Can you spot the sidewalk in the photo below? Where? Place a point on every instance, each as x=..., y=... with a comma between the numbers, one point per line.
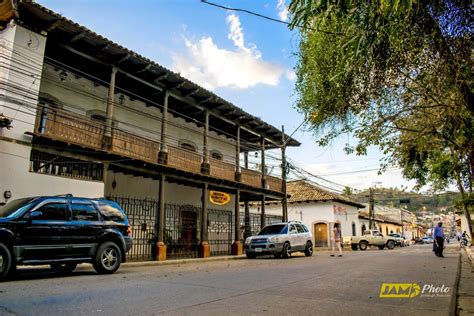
x=465, y=293
x=181, y=261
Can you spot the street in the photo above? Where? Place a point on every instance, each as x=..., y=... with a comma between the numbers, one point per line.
x=300, y=285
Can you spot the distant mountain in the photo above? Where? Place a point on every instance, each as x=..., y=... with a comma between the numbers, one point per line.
x=413, y=201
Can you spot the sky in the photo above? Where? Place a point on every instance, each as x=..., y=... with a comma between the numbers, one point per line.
x=244, y=59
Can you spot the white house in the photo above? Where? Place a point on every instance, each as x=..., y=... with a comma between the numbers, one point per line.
x=318, y=209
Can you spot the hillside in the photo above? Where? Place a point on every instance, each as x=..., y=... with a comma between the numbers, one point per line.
x=415, y=202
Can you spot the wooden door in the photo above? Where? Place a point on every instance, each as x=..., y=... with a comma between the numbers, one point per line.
x=321, y=235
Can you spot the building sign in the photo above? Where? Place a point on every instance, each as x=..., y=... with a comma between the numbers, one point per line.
x=219, y=198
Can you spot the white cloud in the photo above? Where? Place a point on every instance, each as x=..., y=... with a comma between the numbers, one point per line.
x=282, y=10
x=213, y=67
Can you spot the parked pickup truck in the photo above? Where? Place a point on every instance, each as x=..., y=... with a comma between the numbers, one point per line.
x=370, y=238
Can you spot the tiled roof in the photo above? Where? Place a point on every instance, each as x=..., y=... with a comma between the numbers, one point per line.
x=302, y=191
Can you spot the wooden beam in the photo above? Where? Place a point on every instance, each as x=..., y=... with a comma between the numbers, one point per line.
x=53, y=25
x=77, y=37
x=124, y=58
x=144, y=69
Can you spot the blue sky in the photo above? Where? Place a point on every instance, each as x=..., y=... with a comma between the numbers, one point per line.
x=245, y=59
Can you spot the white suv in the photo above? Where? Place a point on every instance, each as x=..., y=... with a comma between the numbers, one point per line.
x=280, y=240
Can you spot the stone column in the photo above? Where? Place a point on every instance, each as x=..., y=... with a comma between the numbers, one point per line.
x=110, y=111
x=163, y=154
x=264, y=180
x=238, y=174
x=247, y=231
x=160, y=222
x=237, y=245
x=205, y=166
x=204, y=246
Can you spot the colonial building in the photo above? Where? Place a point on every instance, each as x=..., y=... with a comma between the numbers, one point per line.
x=83, y=115
x=319, y=210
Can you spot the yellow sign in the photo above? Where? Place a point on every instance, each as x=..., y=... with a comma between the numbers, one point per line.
x=399, y=290
x=219, y=198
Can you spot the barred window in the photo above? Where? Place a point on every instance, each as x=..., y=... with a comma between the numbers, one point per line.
x=57, y=165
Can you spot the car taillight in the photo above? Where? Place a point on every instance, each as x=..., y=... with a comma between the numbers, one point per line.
x=129, y=230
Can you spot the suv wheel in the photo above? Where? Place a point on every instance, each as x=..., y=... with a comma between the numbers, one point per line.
x=363, y=245
x=5, y=261
x=308, y=252
x=63, y=268
x=390, y=244
x=108, y=258
x=285, y=251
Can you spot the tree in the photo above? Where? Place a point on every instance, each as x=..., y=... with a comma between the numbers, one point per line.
x=394, y=74
x=347, y=191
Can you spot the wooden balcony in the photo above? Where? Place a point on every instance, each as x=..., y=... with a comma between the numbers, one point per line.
x=70, y=128
x=126, y=144
x=222, y=169
x=184, y=160
x=79, y=130
x=274, y=184
x=252, y=177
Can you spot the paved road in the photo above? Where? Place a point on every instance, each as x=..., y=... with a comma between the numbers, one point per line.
x=317, y=285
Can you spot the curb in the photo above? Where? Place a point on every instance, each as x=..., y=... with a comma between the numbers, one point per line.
x=470, y=254
x=181, y=261
x=453, y=306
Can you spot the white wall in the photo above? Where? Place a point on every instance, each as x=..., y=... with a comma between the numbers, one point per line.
x=21, y=55
x=15, y=177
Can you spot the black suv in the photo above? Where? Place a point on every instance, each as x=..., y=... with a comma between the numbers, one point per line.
x=63, y=231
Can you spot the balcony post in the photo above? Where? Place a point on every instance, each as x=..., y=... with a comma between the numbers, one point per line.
x=247, y=231
x=160, y=221
x=205, y=166
x=163, y=154
x=283, y=176
x=110, y=111
x=238, y=174
x=262, y=214
x=204, y=246
x=264, y=180
x=237, y=249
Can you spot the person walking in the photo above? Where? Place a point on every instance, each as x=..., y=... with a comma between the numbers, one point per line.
x=438, y=240
x=336, y=239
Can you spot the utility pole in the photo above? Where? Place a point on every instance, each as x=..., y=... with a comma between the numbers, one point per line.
x=371, y=209
x=283, y=175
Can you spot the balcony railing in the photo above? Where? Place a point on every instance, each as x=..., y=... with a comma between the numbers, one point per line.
x=129, y=145
x=222, y=169
x=79, y=130
x=184, y=159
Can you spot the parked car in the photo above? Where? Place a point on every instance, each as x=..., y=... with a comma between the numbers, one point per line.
x=398, y=239
x=63, y=231
x=370, y=238
x=280, y=240
x=428, y=240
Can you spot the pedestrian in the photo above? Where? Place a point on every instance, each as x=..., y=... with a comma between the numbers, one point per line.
x=438, y=242
x=458, y=235
x=336, y=240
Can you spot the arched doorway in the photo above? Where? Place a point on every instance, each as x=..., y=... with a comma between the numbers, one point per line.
x=321, y=235
x=354, y=229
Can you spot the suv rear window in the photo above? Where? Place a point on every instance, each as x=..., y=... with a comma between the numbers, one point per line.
x=84, y=212
x=273, y=230
x=111, y=211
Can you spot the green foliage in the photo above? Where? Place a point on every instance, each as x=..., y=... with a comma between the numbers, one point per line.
x=396, y=75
